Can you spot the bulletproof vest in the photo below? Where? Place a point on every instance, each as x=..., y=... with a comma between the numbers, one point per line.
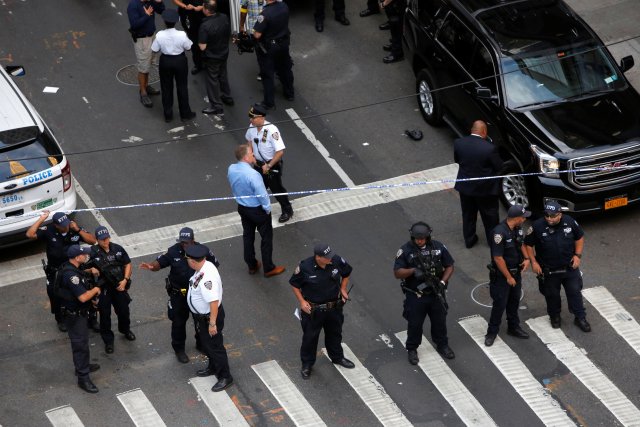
x=430, y=263
x=60, y=290
x=110, y=268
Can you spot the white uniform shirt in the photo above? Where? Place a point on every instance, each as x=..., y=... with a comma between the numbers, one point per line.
x=171, y=42
x=204, y=286
x=269, y=141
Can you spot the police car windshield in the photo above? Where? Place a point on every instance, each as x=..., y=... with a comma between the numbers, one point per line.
x=27, y=157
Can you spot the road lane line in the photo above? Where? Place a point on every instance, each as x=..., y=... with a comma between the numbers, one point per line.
x=228, y=225
x=580, y=365
x=371, y=391
x=620, y=319
x=64, y=416
x=140, y=409
x=449, y=385
x=96, y=214
x=289, y=397
x=323, y=151
x=220, y=404
x=510, y=365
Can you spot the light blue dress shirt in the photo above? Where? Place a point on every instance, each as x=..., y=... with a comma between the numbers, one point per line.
x=246, y=181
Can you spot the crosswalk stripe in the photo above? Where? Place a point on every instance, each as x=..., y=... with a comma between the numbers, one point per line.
x=140, y=409
x=371, y=392
x=220, y=404
x=283, y=389
x=510, y=365
x=620, y=319
x=567, y=352
x=64, y=416
x=450, y=387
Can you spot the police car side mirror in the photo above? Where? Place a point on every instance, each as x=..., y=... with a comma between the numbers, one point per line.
x=626, y=63
x=15, y=70
x=485, y=93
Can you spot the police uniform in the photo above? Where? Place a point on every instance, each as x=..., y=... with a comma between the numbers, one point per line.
x=420, y=301
x=177, y=286
x=321, y=288
x=273, y=50
x=205, y=287
x=266, y=141
x=111, y=266
x=395, y=14
x=191, y=20
x=555, y=246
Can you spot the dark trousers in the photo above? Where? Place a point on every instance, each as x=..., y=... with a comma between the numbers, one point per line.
x=214, y=346
x=273, y=181
x=395, y=13
x=79, y=336
x=331, y=321
x=252, y=219
x=217, y=81
x=572, y=282
x=415, y=311
x=507, y=298
x=179, y=314
x=488, y=208
x=174, y=68
x=275, y=60
x=373, y=5
x=120, y=302
x=54, y=301
x=192, y=27
x=338, y=9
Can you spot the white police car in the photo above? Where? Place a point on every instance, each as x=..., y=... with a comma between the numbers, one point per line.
x=34, y=172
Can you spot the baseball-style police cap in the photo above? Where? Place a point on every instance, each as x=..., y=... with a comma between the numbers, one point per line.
x=323, y=250
x=61, y=219
x=517, y=211
x=75, y=250
x=257, y=111
x=102, y=233
x=197, y=251
x=170, y=16
x=186, y=235
x=552, y=207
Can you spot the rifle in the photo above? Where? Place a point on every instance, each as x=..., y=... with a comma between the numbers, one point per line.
x=432, y=280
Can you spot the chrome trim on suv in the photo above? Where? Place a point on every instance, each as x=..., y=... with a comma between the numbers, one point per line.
x=611, y=173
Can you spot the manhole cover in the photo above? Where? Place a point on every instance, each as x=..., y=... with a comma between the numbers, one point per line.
x=129, y=75
x=481, y=296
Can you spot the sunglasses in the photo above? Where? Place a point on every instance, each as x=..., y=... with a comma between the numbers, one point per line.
x=548, y=215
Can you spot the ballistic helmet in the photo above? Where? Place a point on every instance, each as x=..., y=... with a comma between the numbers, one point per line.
x=420, y=230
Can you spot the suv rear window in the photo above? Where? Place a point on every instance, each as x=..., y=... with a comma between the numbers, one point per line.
x=26, y=151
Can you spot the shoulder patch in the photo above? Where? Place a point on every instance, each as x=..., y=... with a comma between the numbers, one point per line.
x=297, y=270
x=208, y=284
x=276, y=136
x=529, y=230
x=497, y=238
x=260, y=18
x=399, y=253
x=75, y=280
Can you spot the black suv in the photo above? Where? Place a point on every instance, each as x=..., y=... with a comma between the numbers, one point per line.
x=549, y=90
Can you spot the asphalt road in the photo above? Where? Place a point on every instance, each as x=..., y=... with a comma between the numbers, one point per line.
x=358, y=109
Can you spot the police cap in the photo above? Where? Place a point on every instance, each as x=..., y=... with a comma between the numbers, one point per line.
x=102, y=233
x=61, y=219
x=186, y=235
x=552, y=207
x=322, y=250
x=170, y=16
x=257, y=111
x=517, y=211
x=75, y=250
x=197, y=251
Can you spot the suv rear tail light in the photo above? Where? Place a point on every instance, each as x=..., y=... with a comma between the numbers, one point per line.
x=66, y=177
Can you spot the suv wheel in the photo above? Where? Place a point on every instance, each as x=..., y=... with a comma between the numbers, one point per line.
x=514, y=191
x=429, y=102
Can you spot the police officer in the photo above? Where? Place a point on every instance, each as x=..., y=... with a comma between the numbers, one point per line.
x=191, y=16
x=114, y=265
x=425, y=267
x=75, y=298
x=509, y=260
x=555, y=244
x=395, y=13
x=205, y=303
x=320, y=285
x=58, y=236
x=177, y=284
x=268, y=148
x=273, y=38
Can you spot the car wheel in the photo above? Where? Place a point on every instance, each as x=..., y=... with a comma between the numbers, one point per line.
x=428, y=101
x=514, y=190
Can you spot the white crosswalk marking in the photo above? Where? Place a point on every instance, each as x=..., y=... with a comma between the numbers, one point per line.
x=586, y=371
x=613, y=312
x=459, y=397
x=293, y=402
x=140, y=409
x=510, y=365
x=371, y=392
x=219, y=404
x=64, y=416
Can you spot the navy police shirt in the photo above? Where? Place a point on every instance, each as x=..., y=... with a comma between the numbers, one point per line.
x=407, y=257
x=506, y=243
x=180, y=272
x=57, y=243
x=273, y=22
x=555, y=245
x=320, y=285
x=74, y=280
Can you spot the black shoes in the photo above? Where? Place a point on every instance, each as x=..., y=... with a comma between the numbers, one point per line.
x=188, y=117
x=555, y=321
x=62, y=327
x=518, y=333
x=129, y=336
x=152, y=91
x=168, y=119
x=489, y=339
x=305, y=372
x=227, y=100
x=319, y=26
x=385, y=26
x=195, y=70
x=286, y=216
x=472, y=242
x=108, y=348
x=390, y=59
x=343, y=20
x=87, y=385
x=216, y=111
x=222, y=384
x=413, y=357
x=582, y=324
x=368, y=12
x=446, y=352
x=146, y=101
x=345, y=363
x=206, y=372
x=182, y=356
x=93, y=367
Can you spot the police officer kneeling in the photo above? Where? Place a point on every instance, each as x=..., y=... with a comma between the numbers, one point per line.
x=558, y=241
x=76, y=292
x=425, y=267
x=205, y=301
x=320, y=285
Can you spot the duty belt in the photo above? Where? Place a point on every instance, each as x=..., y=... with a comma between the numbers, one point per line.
x=549, y=271
x=199, y=317
x=331, y=305
x=81, y=312
x=178, y=292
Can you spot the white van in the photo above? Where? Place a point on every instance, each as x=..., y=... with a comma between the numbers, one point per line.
x=34, y=172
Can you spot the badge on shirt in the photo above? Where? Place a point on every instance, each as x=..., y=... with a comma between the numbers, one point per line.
x=399, y=253
x=497, y=238
x=567, y=230
x=275, y=136
x=529, y=230
x=75, y=280
x=208, y=284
